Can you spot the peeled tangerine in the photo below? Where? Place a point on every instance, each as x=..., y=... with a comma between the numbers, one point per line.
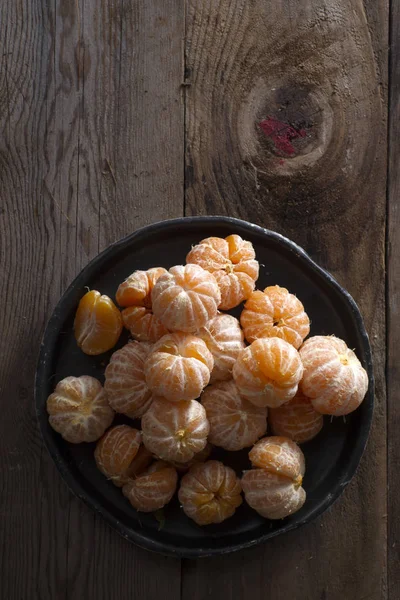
x=232, y=262
x=125, y=381
x=297, y=419
x=235, y=423
x=334, y=378
x=175, y=431
x=119, y=454
x=210, y=493
x=153, y=489
x=79, y=409
x=186, y=298
x=179, y=367
x=199, y=457
x=135, y=294
x=98, y=323
x=275, y=313
x=136, y=289
x=142, y=324
x=224, y=338
x=273, y=486
x=267, y=372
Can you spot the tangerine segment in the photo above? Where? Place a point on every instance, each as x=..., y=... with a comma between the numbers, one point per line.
x=153, y=489
x=79, y=409
x=199, y=457
x=232, y=261
x=210, y=493
x=235, y=423
x=224, y=338
x=334, y=378
x=98, y=323
x=275, y=313
x=179, y=367
x=175, y=431
x=267, y=372
x=271, y=495
x=125, y=381
x=115, y=452
x=279, y=455
x=297, y=419
x=142, y=324
x=136, y=289
x=186, y=298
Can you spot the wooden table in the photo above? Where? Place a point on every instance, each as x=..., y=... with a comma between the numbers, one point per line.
x=118, y=113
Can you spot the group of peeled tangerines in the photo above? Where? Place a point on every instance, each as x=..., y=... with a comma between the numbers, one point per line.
x=194, y=383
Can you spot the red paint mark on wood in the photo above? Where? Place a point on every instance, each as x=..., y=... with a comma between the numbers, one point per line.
x=281, y=134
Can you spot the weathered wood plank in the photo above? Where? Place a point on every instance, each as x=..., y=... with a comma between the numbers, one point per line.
x=91, y=117
x=393, y=308
x=286, y=127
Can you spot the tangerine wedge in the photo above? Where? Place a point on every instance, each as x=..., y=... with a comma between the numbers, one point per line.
x=210, y=492
x=98, y=323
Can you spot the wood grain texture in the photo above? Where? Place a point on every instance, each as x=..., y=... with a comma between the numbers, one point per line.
x=85, y=158
x=393, y=308
x=284, y=102
x=93, y=125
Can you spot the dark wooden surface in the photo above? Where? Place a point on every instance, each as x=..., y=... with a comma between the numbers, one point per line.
x=117, y=113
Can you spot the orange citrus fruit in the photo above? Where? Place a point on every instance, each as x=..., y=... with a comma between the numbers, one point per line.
x=267, y=372
x=125, y=381
x=175, y=431
x=136, y=289
x=224, y=338
x=116, y=451
x=98, y=323
x=210, y=492
x=232, y=262
x=199, y=457
x=273, y=486
x=186, y=298
x=153, y=489
x=179, y=367
x=297, y=419
x=79, y=409
x=142, y=324
x=142, y=460
x=278, y=454
x=333, y=378
x=235, y=423
x=275, y=313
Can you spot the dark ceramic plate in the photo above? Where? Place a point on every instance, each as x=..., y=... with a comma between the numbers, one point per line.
x=331, y=458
